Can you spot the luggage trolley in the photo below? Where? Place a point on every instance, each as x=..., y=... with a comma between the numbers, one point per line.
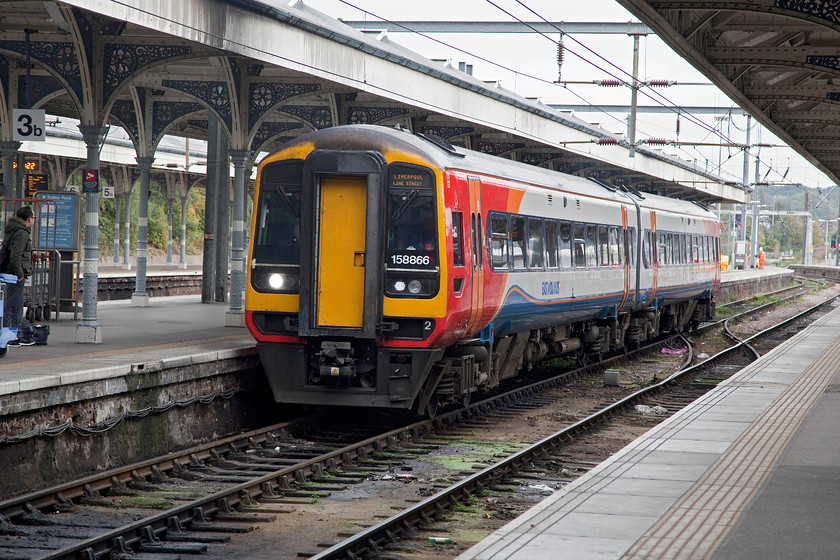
x=43, y=291
x=42, y=287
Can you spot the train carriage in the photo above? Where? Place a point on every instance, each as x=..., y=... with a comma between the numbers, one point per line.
x=393, y=270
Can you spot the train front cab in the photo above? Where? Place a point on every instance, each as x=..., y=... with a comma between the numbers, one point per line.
x=331, y=327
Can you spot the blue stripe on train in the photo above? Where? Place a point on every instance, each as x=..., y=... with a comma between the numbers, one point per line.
x=521, y=311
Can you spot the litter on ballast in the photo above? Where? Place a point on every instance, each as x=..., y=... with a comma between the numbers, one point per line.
x=645, y=409
x=542, y=488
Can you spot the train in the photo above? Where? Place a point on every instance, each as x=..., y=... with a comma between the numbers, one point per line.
x=390, y=269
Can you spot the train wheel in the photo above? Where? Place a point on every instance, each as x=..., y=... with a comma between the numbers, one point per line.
x=432, y=408
x=465, y=400
x=3, y=351
x=47, y=313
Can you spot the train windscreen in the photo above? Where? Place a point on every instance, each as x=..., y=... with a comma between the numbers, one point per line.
x=277, y=234
x=412, y=235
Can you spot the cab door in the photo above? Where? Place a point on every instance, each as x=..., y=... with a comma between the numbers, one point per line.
x=477, y=254
x=340, y=253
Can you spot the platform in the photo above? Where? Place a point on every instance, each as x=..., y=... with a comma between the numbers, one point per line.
x=750, y=470
x=134, y=338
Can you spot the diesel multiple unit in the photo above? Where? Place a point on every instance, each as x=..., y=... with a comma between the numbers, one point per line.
x=390, y=269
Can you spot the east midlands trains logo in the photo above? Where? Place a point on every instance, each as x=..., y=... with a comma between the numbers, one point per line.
x=551, y=288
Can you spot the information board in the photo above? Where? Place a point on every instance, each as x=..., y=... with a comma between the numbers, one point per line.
x=36, y=182
x=58, y=221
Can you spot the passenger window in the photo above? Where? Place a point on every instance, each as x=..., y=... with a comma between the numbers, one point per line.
x=663, y=248
x=565, y=245
x=517, y=238
x=499, y=242
x=603, y=246
x=616, y=248
x=457, y=239
x=591, y=246
x=680, y=239
x=536, y=257
x=551, y=243
x=580, y=247
x=673, y=248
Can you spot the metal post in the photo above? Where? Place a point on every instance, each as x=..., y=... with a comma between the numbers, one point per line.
x=9, y=150
x=208, y=265
x=140, y=298
x=223, y=225
x=27, y=50
x=754, y=232
x=732, y=234
x=21, y=164
x=809, y=240
x=825, y=259
x=837, y=241
x=169, y=232
x=182, y=263
x=745, y=178
x=117, y=229
x=631, y=126
x=806, y=249
x=235, y=317
x=89, y=330
x=127, y=237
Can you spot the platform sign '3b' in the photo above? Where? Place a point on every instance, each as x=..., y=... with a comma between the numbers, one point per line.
x=28, y=125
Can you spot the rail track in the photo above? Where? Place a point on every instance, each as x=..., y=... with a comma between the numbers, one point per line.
x=231, y=485
x=690, y=381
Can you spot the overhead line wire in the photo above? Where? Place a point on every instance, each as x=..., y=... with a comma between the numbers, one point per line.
x=669, y=105
x=499, y=65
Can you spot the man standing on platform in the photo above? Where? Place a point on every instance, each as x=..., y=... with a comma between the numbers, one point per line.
x=17, y=235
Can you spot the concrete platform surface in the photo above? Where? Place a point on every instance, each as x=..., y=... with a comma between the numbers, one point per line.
x=133, y=338
x=750, y=470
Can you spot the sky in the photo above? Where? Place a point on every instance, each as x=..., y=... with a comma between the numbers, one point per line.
x=527, y=65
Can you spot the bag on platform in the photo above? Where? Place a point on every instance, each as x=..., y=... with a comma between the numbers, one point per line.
x=25, y=331
x=40, y=333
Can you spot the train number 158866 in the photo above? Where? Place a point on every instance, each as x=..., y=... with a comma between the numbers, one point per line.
x=412, y=259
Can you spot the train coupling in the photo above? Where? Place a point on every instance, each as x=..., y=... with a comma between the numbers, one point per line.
x=336, y=359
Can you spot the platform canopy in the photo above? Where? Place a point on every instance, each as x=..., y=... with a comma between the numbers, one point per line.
x=269, y=72
x=778, y=59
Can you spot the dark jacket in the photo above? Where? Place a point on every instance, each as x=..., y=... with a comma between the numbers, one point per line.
x=20, y=248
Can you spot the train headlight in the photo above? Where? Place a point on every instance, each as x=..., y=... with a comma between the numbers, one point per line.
x=275, y=281
x=397, y=285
